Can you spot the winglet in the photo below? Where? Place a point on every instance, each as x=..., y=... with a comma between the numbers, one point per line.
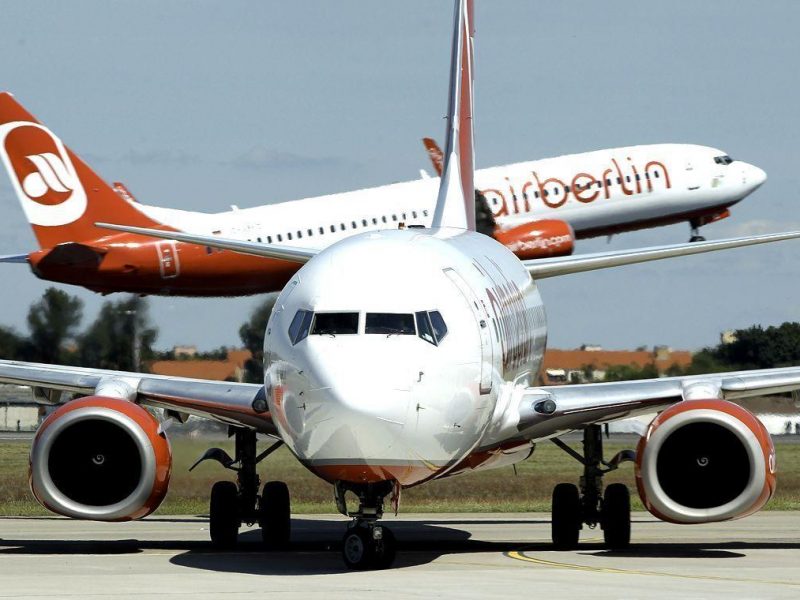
x=434, y=153
x=455, y=206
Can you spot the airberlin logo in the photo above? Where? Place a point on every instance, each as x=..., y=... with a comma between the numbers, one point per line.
x=42, y=174
x=51, y=175
x=618, y=178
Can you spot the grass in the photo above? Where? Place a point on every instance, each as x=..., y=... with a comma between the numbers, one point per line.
x=499, y=490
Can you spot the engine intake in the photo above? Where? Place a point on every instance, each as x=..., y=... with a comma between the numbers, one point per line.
x=100, y=458
x=704, y=461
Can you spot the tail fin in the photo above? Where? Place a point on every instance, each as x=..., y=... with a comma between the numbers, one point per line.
x=455, y=206
x=61, y=196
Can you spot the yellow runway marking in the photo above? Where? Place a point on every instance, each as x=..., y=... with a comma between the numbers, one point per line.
x=517, y=555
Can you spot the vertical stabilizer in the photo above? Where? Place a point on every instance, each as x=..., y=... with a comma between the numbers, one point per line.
x=61, y=195
x=455, y=206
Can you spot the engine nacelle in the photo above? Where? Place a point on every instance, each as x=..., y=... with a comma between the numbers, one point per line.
x=703, y=461
x=538, y=239
x=100, y=458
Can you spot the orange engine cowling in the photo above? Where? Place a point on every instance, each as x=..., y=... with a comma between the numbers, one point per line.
x=100, y=458
x=703, y=461
x=538, y=239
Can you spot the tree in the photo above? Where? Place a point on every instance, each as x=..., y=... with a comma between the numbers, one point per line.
x=52, y=321
x=252, y=335
x=10, y=344
x=759, y=348
x=120, y=338
x=628, y=372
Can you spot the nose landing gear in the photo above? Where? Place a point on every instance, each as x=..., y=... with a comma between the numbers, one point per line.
x=366, y=545
x=695, y=232
x=235, y=503
x=573, y=508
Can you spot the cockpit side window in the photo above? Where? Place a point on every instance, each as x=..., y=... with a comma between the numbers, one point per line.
x=723, y=160
x=424, y=329
x=335, y=323
x=439, y=327
x=390, y=323
x=301, y=323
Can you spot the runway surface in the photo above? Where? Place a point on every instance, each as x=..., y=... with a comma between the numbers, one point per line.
x=458, y=556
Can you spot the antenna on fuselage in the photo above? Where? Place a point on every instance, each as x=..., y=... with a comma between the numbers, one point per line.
x=455, y=205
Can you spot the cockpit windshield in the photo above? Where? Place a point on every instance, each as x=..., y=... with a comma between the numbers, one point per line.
x=390, y=323
x=430, y=326
x=335, y=323
x=723, y=160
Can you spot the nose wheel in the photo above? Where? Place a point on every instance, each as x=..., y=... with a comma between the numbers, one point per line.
x=574, y=506
x=367, y=546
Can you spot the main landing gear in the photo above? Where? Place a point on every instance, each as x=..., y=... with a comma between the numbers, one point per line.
x=235, y=503
x=695, y=232
x=366, y=545
x=574, y=507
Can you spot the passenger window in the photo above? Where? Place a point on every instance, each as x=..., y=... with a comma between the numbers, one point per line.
x=656, y=174
x=414, y=213
x=259, y=239
x=342, y=227
x=280, y=238
x=299, y=235
x=322, y=231
x=383, y=218
x=269, y=239
x=333, y=228
x=310, y=232
x=390, y=323
x=374, y=221
x=364, y=222
x=353, y=223
x=394, y=217
x=439, y=327
x=289, y=235
x=425, y=212
x=335, y=323
x=424, y=329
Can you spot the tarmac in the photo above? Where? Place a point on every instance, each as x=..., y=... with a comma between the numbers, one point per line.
x=458, y=556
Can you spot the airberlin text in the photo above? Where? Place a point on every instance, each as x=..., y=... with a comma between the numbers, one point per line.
x=584, y=187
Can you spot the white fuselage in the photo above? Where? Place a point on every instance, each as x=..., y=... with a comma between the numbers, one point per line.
x=368, y=405
x=595, y=192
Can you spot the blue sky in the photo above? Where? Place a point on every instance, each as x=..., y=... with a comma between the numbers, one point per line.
x=198, y=105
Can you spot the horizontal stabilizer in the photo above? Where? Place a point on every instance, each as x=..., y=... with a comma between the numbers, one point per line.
x=298, y=255
x=14, y=258
x=553, y=267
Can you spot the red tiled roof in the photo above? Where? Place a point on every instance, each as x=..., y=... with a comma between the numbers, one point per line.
x=602, y=359
x=218, y=370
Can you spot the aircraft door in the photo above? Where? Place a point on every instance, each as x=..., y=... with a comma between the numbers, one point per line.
x=168, y=260
x=483, y=323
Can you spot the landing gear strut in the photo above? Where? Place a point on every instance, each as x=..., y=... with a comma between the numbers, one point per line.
x=235, y=503
x=695, y=235
x=574, y=507
x=366, y=545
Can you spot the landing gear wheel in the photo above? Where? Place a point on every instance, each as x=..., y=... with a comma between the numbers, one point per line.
x=616, y=516
x=224, y=515
x=366, y=548
x=566, y=516
x=696, y=238
x=274, y=514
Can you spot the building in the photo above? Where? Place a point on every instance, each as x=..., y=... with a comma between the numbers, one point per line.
x=18, y=411
x=228, y=369
x=590, y=364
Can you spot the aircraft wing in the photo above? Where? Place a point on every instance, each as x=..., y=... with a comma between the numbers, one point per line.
x=576, y=406
x=290, y=253
x=233, y=403
x=542, y=268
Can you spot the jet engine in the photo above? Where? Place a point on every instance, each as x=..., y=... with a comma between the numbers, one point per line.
x=100, y=458
x=703, y=461
x=538, y=239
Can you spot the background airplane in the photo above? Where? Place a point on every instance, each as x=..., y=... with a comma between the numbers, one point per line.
x=401, y=356
x=539, y=208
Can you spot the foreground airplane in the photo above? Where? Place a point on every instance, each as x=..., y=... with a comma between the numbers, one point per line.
x=539, y=209
x=397, y=357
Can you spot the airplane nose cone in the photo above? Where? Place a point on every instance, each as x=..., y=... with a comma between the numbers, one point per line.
x=754, y=176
